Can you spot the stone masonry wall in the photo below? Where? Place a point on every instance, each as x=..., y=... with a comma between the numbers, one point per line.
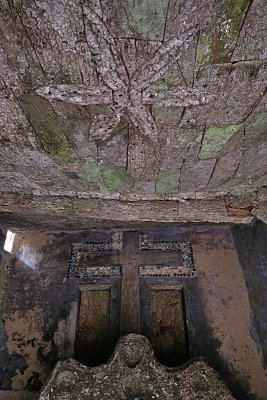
x=39, y=317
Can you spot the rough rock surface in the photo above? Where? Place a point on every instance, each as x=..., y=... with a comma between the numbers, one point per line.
x=137, y=102
x=134, y=373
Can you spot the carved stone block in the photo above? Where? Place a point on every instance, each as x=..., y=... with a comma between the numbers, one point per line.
x=134, y=373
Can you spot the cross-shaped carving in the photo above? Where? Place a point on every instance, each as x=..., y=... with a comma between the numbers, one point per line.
x=130, y=258
x=124, y=91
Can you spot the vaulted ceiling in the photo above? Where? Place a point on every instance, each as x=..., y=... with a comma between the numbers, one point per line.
x=128, y=111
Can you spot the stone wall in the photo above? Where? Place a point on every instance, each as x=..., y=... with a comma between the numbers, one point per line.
x=251, y=244
x=39, y=314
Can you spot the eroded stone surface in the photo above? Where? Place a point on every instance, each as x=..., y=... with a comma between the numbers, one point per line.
x=39, y=310
x=134, y=373
x=127, y=99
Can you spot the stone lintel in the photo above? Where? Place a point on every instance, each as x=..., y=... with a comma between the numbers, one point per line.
x=78, y=212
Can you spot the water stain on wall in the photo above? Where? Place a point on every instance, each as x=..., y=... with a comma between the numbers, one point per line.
x=41, y=305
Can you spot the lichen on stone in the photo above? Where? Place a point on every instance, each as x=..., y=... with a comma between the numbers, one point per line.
x=258, y=125
x=216, y=139
x=147, y=18
x=107, y=177
x=116, y=178
x=170, y=81
x=216, y=43
x=47, y=126
x=168, y=181
x=93, y=173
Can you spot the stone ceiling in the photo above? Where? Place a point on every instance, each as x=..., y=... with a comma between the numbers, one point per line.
x=128, y=111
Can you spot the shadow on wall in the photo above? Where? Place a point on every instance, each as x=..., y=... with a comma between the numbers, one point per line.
x=204, y=343
x=251, y=245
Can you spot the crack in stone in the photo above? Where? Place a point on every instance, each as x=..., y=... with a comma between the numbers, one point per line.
x=244, y=148
x=166, y=20
x=242, y=24
x=30, y=41
x=83, y=20
x=181, y=169
x=212, y=172
x=255, y=105
x=195, y=61
x=201, y=142
x=127, y=148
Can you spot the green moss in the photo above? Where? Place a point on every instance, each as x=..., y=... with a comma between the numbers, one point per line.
x=234, y=12
x=256, y=129
x=236, y=8
x=18, y=5
x=47, y=126
x=216, y=44
x=187, y=137
x=92, y=170
x=93, y=173
x=168, y=181
x=108, y=178
x=166, y=116
x=259, y=125
x=116, y=178
x=216, y=139
x=171, y=81
x=148, y=17
x=99, y=109
x=204, y=53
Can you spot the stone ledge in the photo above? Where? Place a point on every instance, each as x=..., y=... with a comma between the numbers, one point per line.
x=170, y=211
x=16, y=395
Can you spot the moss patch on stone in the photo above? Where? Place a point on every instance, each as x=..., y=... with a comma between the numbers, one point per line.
x=93, y=173
x=234, y=13
x=108, y=178
x=203, y=53
x=47, y=127
x=92, y=170
x=216, y=139
x=216, y=44
x=168, y=181
x=256, y=129
x=116, y=178
x=258, y=126
x=170, y=81
x=147, y=18
x=18, y=4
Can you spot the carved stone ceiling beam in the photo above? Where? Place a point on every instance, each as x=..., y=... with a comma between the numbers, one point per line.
x=84, y=211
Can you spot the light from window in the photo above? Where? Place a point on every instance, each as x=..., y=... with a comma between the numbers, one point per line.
x=10, y=236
